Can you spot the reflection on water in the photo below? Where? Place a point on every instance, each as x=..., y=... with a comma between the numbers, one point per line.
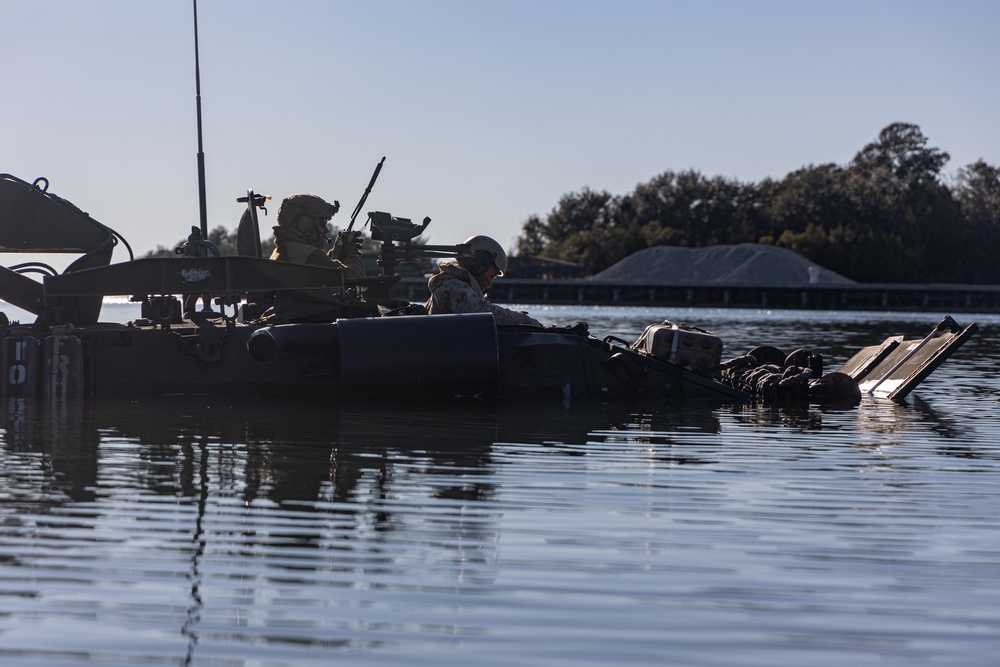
x=206, y=532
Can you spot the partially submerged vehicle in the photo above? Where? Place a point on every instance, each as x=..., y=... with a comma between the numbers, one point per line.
x=233, y=344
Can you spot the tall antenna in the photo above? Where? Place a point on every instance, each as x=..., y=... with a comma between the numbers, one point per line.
x=201, y=152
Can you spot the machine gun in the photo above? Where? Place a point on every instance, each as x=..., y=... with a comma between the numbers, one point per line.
x=344, y=236
x=392, y=231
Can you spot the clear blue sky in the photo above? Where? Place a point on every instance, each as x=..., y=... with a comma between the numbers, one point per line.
x=488, y=112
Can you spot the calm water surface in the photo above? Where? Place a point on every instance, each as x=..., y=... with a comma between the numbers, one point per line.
x=193, y=532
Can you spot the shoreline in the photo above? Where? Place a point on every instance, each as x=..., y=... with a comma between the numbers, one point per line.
x=853, y=296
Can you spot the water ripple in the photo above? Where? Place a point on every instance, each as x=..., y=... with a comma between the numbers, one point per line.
x=205, y=534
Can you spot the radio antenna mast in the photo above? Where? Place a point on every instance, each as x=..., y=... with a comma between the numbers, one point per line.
x=203, y=207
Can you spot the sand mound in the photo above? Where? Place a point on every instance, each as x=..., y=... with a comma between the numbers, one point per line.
x=744, y=264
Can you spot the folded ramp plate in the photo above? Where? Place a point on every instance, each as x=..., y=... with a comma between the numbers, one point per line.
x=894, y=368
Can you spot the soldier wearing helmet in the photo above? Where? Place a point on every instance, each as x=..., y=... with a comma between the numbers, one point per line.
x=302, y=232
x=299, y=238
x=461, y=284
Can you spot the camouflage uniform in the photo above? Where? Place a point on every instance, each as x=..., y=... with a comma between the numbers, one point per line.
x=299, y=239
x=455, y=290
x=292, y=246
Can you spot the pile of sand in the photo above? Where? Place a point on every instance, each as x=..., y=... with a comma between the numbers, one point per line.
x=748, y=264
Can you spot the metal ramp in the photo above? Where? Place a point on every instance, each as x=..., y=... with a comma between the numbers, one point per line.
x=896, y=366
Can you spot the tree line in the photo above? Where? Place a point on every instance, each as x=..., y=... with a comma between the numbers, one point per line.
x=888, y=216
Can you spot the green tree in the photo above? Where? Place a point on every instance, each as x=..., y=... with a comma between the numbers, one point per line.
x=533, y=237
x=577, y=213
x=901, y=149
x=814, y=196
x=978, y=192
x=884, y=217
x=896, y=192
x=224, y=240
x=684, y=207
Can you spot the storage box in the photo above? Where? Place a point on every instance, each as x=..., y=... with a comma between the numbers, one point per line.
x=681, y=345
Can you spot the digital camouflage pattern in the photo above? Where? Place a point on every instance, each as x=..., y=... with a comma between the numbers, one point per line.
x=295, y=306
x=292, y=246
x=305, y=204
x=302, y=232
x=454, y=290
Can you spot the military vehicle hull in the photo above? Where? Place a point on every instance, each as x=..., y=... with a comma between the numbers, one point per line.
x=420, y=356
x=235, y=344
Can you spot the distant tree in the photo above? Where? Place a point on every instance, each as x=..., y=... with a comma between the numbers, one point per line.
x=900, y=206
x=577, y=221
x=683, y=208
x=653, y=233
x=713, y=214
x=578, y=213
x=223, y=239
x=533, y=237
x=901, y=150
x=814, y=196
x=600, y=247
x=160, y=251
x=978, y=192
x=884, y=217
x=664, y=202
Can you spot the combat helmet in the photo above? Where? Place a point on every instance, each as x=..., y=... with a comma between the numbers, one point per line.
x=307, y=215
x=483, y=253
x=304, y=204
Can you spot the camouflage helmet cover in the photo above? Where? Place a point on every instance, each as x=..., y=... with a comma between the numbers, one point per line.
x=304, y=204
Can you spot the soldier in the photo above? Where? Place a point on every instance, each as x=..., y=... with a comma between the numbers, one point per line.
x=299, y=238
x=302, y=232
x=460, y=286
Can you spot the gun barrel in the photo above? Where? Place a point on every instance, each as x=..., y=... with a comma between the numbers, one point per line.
x=364, y=197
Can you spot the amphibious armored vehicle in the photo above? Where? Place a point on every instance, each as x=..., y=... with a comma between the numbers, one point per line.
x=207, y=326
